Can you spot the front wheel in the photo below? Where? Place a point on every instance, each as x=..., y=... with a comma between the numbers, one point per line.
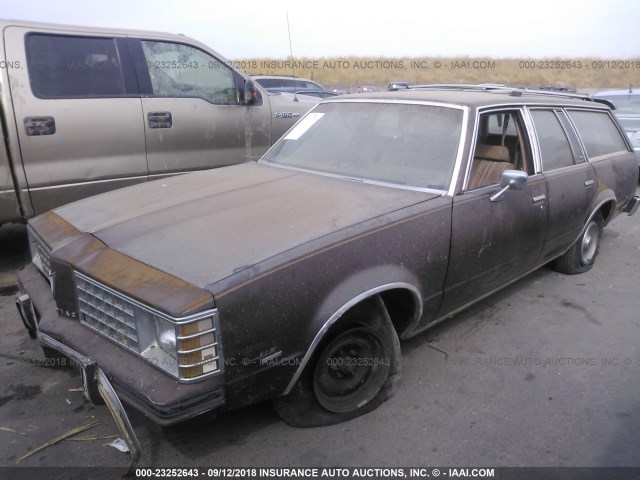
x=582, y=254
x=353, y=371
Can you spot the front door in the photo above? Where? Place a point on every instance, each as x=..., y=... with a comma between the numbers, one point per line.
x=194, y=113
x=494, y=242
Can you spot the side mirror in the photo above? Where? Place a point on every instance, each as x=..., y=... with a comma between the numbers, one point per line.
x=510, y=179
x=250, y=93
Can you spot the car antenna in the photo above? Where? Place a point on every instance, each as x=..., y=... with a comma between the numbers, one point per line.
x=293, y=69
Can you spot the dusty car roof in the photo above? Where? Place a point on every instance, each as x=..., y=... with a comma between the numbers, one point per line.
x=474, y=98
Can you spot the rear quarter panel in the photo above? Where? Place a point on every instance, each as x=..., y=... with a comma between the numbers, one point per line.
x=617, y=176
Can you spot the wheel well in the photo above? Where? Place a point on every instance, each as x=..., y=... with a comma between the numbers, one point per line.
x=607, y=210
x=402, y=306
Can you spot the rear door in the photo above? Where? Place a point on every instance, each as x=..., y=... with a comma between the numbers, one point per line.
x=77, y=112
x=571, y=180
x=193, y=108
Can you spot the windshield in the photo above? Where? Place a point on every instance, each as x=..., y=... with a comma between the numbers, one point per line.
x=405, y=144
x=624, y=103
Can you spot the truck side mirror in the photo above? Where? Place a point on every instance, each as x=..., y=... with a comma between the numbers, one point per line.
x=250, y=93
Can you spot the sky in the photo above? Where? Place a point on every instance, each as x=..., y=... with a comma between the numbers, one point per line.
x=329, y=28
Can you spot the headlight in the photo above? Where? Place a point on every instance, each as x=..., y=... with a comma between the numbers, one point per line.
x=40, y=254
x=166, y=336
x=186, y=348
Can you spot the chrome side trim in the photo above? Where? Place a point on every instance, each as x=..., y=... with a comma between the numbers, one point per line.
x=446, y=316
x=460, y=157
x=364, y=181
x=341, y=311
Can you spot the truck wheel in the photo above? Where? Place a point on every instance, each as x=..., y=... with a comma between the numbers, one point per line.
x=355, y=370
x=582, y=254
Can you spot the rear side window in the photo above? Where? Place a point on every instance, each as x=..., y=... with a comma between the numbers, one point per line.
x=71, y=67
x=555, y=149
x=599, y=134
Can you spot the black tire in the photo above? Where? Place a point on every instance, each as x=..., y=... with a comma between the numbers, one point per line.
x=352, y=372
x=582, y=254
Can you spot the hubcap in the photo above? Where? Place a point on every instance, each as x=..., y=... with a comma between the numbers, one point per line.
x=589, y=244
x=350, y=371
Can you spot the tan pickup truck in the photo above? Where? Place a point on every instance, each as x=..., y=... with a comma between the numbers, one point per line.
x=88, y=110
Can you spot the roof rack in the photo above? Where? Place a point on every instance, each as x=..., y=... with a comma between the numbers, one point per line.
x=513, y=91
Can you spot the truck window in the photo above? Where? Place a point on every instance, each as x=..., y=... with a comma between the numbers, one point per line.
x=555, y=149
x=598, y=132
x=179, y=70
x=63, y=66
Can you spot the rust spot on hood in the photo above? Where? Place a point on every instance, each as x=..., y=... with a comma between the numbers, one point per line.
x=88, y=255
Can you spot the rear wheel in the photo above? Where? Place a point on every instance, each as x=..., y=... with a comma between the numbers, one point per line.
x=354, y=370
x=582, y=254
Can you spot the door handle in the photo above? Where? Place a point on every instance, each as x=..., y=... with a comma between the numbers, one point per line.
x=35, y=126
x=588, y=183
x=539, y=198
x=159, y=120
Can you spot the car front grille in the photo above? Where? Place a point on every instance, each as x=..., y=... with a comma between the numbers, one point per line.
x=106, y=312
x=188, y=348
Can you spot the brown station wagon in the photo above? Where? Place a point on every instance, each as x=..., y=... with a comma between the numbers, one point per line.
x=293, y=278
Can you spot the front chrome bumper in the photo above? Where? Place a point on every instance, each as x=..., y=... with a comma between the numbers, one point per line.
x=96, y=385
x=96, y=388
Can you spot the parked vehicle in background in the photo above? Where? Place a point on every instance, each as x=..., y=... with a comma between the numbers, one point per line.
x=87, y=110
x=627, y=110
x=556, y=88
x=367, y=89
x=293, y=279
x=393, y=86
x=282, y=83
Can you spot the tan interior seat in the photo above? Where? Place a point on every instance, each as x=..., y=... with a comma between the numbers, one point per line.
x=489, y=162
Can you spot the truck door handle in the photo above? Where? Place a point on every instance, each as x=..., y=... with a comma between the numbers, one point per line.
x=588, y=183
x=35, y=126
x=159, y=119
x=538, y=198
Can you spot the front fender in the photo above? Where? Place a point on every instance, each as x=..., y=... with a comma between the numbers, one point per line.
x=354, y=290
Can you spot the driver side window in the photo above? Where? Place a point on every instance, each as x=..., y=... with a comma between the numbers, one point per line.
x=178, y=70
x=500, y=146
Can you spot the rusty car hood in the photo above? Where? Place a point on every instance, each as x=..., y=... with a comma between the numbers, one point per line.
x=206, y=226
